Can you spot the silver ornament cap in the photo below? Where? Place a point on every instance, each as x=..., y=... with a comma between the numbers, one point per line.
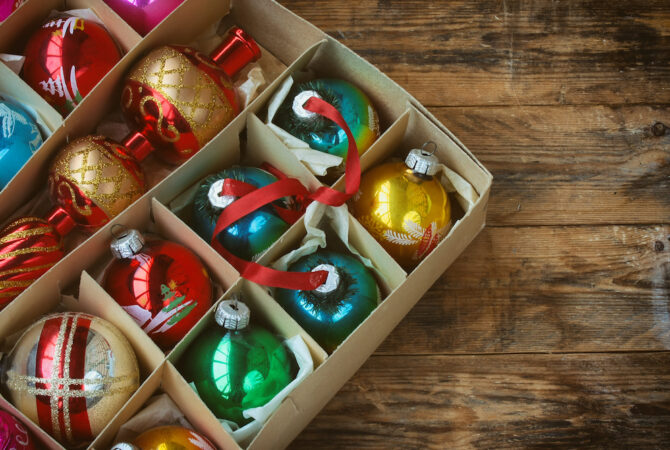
x=422, y=161
x=300, y=100
x=125, y=446
x=232, y=315
x=127, y=244
x=331, y=282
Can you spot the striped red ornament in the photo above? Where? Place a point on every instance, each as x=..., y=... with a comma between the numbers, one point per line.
x=28, y=248
x=71, y=373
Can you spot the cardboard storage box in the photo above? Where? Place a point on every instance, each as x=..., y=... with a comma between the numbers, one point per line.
x=289, y=44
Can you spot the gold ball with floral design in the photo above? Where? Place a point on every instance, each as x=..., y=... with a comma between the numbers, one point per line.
x=404, y=207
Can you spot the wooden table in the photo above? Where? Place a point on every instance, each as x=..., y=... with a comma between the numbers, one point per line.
x=553, y=327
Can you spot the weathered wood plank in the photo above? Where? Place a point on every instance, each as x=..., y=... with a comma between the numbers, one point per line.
x=509, y=52
x=570, y=164
x=547, y=289
x=500, y=401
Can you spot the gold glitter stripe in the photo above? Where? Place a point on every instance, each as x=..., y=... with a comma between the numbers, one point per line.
x=8, y=294
x=14, y=382
x=23, y=220
x=66, y=403
x=69, y=381
x=25, y=251
x=15, y=283
x=24, y=269
x=26, y=233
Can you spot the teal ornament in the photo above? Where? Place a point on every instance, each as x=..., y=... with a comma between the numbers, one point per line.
x=331, y=312
x=19, y=139
x=320, y=133
x=251, y=235
x=236, y=366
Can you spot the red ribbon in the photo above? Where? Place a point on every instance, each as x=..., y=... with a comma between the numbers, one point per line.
x=252, y=198
x=352, y=173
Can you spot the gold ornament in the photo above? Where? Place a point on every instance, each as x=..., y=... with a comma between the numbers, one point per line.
x=404, y=207
x=71, y=373
x=189, y=90
x=94, y=172
x=170, y=437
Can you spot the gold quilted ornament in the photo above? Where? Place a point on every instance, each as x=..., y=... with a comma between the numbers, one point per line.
x=94, y=179
x=404, y=207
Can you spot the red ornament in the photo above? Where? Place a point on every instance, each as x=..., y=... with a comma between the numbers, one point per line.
x=66, y=58
x=13, y=434
x=162, y=285
x=179, y=99
x=28, y=248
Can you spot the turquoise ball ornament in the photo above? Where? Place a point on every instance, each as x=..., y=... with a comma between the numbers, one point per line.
x=251, y=235
x=19, y=139
x=334, y=310
x=320, y=133
x=236, y=366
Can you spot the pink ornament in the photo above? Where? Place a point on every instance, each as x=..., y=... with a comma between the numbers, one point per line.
x=9, y=6
x=13, y=434
x=143, y=15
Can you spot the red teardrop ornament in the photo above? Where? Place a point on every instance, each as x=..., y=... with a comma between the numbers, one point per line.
x=177, y=99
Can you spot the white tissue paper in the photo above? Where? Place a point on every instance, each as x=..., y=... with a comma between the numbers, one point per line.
x=262, y=414
x=160, y=411
x=317, y=162
x=315, y=238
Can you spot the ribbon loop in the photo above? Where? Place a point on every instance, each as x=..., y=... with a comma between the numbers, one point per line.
x=251, y=198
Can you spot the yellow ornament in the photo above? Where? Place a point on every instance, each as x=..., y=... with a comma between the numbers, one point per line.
x=404, y=207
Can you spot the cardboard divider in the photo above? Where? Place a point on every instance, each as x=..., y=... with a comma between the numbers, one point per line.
x=14, y=86
x=172, y=228
x=146, y=390
x=173, y=385
x=31, y=15
x=197, y=413
x=265, y=146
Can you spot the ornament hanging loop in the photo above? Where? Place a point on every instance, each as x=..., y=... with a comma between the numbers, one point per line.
x=426, y=145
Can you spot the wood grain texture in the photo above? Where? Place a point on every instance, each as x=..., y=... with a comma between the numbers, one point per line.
x=501, y=401
x=553, y=327
x=570, y=164
x=497, y=52
x=547, y=289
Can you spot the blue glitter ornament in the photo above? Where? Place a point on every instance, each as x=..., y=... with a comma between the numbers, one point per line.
x=331, y=312
x=248, y=237
x=19, y=139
